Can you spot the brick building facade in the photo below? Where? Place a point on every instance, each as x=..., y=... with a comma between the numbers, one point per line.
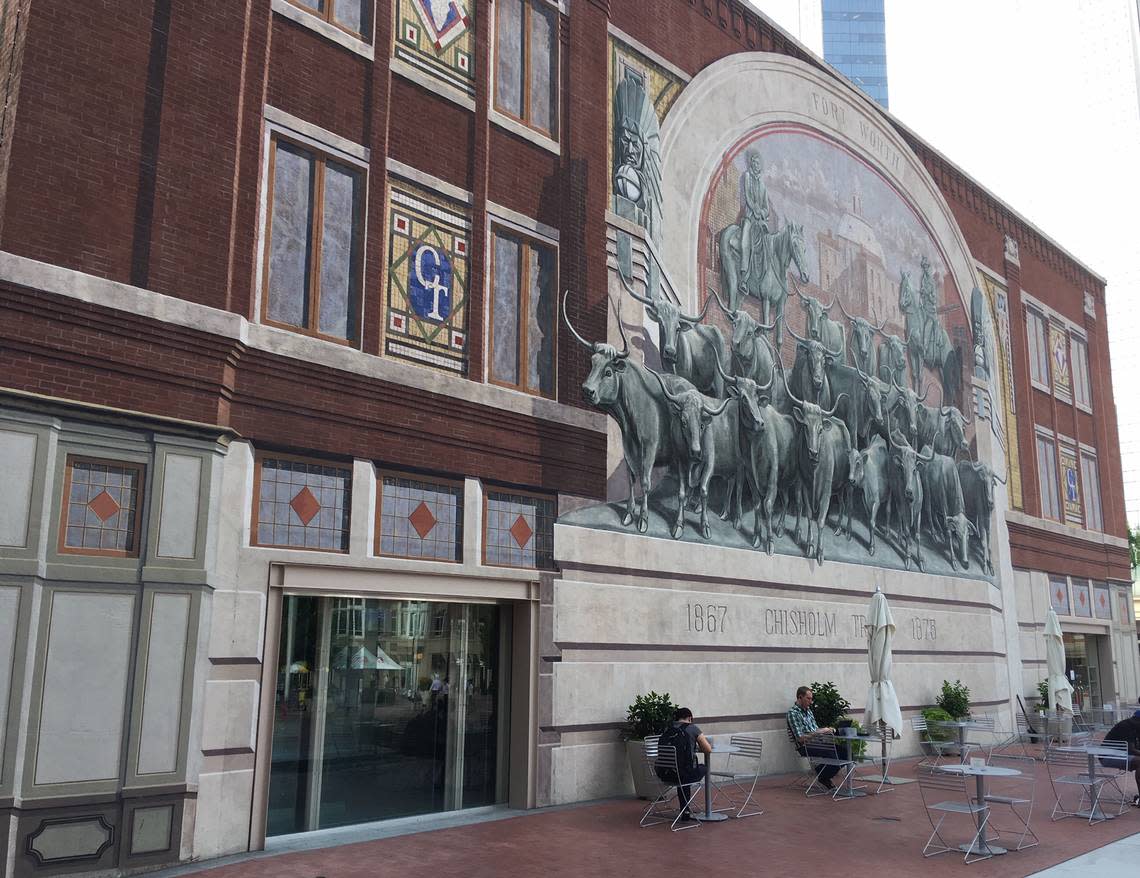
x=221, y=231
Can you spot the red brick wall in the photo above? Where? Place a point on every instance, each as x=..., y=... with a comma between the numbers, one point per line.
x=136, y=155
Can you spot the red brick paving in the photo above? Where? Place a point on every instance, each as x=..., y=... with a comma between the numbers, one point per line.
x=873, y=836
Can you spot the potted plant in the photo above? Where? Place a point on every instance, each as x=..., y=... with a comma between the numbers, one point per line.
x=649, y=714
x=1043, y=696
x=955, y=699
x=828, y=706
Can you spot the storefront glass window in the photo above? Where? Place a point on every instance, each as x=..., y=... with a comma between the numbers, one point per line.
x=1082, y=666
x=385, y=709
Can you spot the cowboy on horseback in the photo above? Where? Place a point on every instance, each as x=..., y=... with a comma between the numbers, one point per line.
x=754, y=228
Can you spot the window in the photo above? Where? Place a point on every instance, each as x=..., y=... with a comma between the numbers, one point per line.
x=301, y=504
x=420, y=519
x=523, y=318
x=526, y=68
x=1081, y=384
x=1059, y=595
x=518, y=530
x=1090, y=479
x=100, y=508
x=348, y=15
x=1038, y=351
x=312, y=272
x=1047, y=477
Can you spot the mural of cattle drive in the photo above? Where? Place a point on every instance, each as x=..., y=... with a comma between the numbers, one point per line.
x=816, y=401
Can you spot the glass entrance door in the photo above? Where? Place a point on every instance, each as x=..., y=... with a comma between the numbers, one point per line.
x=1082, y=666
x=385, y=709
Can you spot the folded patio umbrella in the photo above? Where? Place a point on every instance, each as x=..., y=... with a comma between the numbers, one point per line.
x=882, y=702
x=1060, y=689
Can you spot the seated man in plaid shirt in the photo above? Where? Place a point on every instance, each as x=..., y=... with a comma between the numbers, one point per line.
x=802, y=723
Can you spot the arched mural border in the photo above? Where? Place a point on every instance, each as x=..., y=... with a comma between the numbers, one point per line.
x=741, y=93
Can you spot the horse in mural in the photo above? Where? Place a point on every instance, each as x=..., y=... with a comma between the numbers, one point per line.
x=772, y=255
x=928, y=344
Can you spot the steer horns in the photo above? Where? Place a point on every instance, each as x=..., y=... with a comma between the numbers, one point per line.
x=593, y=346
x=834, y=354
x=675, y=399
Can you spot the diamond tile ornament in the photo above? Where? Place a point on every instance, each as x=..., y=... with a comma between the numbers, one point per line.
x=521, y=531
x=422, y=520
x=103, y=505
x=1081, y=597
x=305, y=505
x=445, y=20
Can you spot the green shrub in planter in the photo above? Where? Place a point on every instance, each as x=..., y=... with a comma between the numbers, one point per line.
x=828, y=706
x=648, y=715
x=955, y=699
x=937, y=715
x=1043, y=694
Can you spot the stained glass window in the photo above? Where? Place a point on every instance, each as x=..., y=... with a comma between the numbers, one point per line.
x=1082, y=601
x=1102, y=601
x=1059, y=595
x=519, y=530
x=101, y=507
x=420, y=519
x=302, y=505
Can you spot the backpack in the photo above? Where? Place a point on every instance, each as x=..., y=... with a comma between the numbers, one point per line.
x=677, y=738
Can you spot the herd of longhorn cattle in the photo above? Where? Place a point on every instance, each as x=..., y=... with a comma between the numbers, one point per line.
x=814, y=439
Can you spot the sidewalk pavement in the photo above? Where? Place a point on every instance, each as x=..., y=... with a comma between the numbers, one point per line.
x=877, y=835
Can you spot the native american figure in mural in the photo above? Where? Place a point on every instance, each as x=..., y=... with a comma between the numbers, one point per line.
x=637, y=156
x=927, y=341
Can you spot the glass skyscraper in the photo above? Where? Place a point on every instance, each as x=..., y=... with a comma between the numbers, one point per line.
x=855, y=43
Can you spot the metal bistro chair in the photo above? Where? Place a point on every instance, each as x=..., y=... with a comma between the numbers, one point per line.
x=826, y=754
x=945, y=794
x=803, y=779
x=1115, y=771
x=1030, y=731
x=1018, y=793
x=879, y=743
x=984, y=724
x=937, y=748
x=1068, y=767
x=742, y=772
x=664, y=757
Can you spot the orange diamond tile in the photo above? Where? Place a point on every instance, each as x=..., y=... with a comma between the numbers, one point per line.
x=521, y=531
x=305, y=505
x=103, y=505
x=422, y=520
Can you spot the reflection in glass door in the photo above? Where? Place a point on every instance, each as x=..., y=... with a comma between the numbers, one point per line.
x=1082, y=666
x=386, y=709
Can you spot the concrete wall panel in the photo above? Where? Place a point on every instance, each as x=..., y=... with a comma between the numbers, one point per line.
x=231, y=716
x=9, y=615
x=84, y=687
x=178, y=518
x=163, y=684
x=17, y=472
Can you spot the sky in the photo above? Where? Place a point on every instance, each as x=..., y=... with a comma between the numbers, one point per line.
x=1037, y=100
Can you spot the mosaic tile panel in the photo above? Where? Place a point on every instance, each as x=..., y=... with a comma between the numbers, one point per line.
x=428, y=262
x=303, y=505
x=102, y=507
x=420, y=519
x=519, y=530
x=437, y=37
x=999, y=311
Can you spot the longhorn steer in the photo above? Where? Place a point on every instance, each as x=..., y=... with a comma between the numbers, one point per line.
x=623, y=389
x=892, y=360
x=869, y=475
x=708, y=438
x=688, y=347
x=906, y=494
x=822, y=455
x=863, y=406
x=942, y=492
x=905, y=412
x=978, y=481
x=809, y=372
x=943, y=428
x=751, y=354
x=767, y=448
x=862, y=341
x=820, y=327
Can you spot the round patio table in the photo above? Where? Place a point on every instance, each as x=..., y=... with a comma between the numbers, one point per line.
x=980, y=773
x=961, y=725
x=709, y=815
